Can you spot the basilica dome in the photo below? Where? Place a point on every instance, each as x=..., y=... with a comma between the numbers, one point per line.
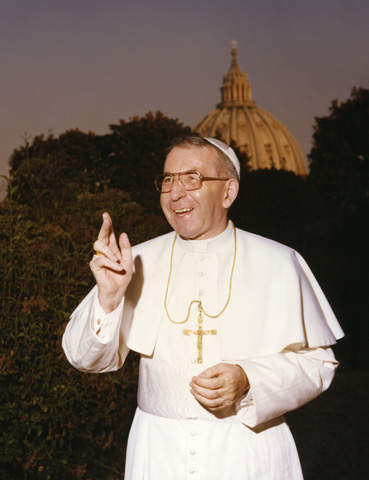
x=265, y=140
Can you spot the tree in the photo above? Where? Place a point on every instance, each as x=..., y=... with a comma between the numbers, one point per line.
x=79, y=149
x=50, y=172
x=339, y=169
x=339, y=159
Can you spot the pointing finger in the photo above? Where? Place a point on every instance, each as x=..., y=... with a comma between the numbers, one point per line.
x=106, y=228
x=106, y=234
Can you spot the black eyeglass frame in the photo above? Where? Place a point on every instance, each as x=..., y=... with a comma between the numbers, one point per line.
x=179, y=174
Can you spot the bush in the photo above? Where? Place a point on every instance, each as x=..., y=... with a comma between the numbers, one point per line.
x=55, y=422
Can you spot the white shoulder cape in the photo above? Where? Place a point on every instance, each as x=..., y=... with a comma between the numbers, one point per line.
x=276, y=301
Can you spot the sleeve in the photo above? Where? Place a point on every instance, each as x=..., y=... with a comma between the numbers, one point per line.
x=91, y=338
x=284, y=381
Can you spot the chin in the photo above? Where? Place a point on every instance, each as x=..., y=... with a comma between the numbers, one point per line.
x=186, y=233
x=184, y=229
x=190, y=235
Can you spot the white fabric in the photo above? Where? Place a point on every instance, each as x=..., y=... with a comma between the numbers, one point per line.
x=172, y=435
x=165, y=449
x=275, y=302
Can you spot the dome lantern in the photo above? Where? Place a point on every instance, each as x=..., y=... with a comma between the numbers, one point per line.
x=236, y=90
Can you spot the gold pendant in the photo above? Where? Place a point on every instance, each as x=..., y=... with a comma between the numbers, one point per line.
x=200, y=333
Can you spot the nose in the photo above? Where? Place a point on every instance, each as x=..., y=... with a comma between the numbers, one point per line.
x=177, y=191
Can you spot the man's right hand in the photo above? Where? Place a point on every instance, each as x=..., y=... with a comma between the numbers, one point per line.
x=112, y=265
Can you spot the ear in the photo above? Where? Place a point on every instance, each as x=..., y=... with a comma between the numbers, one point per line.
x=230, y=192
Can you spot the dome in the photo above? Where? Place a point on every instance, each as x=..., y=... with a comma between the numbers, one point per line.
x=265, y=140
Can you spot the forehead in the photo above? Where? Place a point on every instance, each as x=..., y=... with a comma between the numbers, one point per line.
x=182, y=159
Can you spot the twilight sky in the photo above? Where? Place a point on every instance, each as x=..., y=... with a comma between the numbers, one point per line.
x=87, y=63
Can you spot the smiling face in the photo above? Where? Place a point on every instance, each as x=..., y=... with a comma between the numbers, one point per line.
x=197, y=214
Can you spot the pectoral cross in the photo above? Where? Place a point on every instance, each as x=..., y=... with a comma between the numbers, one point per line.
x=200, y=333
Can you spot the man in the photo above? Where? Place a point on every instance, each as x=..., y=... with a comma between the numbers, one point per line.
x=232, y=328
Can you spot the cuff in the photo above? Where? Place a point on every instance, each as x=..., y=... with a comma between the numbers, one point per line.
x=104, y=325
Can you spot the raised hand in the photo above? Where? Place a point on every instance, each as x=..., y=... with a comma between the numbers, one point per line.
x=111, y=265
x=220, y=387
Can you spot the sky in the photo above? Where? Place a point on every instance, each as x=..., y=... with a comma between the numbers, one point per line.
x=85, y=64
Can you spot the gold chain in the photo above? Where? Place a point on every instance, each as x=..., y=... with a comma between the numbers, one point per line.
x=199, y=301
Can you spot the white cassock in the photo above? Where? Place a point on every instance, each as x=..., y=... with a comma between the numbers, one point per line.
x=278, y=327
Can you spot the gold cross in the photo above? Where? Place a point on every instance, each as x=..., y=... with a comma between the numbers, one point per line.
x=200, y=333
x=234, y=43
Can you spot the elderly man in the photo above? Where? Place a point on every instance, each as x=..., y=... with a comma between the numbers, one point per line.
x=232, y=328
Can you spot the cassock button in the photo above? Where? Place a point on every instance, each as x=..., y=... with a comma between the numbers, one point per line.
x=201, y=274
x=192, y=433
x=192, y=451
x=193, y=360
x=192, y=470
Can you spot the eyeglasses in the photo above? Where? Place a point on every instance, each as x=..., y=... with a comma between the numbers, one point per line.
x=191, y=180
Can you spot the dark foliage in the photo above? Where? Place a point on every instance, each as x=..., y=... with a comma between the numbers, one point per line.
x=279, y=205
x=51, y=172
x=53, y=419
x=339, y=163
x=339, y=159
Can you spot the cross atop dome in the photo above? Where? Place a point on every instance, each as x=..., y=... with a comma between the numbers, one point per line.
x=234, y=44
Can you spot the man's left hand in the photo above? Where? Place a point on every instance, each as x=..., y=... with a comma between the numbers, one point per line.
x=220, y=387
